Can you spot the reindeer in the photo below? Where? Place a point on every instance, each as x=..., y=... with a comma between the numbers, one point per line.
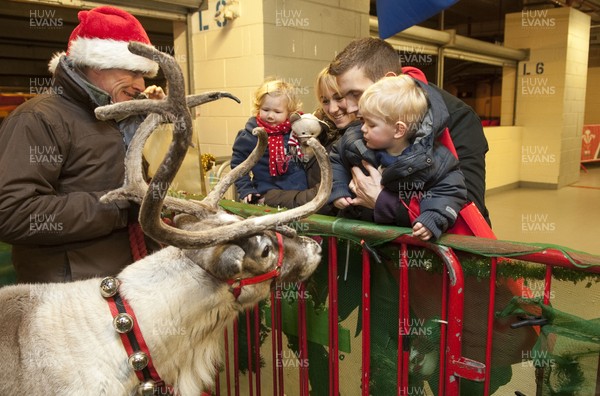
x=160, y=321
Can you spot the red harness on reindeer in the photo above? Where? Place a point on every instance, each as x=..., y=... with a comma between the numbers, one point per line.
x=125, y=323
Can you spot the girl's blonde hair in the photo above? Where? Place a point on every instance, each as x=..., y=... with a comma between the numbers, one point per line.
x=393, y=99
x=276, y=87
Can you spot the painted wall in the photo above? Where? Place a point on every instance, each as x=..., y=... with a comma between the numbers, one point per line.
x=503, y=160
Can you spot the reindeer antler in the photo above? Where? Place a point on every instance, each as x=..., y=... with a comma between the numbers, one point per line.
x=193, y=239
x=135, y=187
x=175, y=109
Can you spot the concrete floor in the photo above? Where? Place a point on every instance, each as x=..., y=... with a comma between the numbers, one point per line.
x=569, y=216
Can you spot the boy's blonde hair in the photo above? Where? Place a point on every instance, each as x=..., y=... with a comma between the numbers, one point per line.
x=393, y=99
x=275, y=87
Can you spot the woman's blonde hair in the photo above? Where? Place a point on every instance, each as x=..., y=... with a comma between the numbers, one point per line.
x=276, y=87
x=393, y=99
x=326, y=81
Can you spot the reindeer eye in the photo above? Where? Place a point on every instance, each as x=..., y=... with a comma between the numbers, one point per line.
x=266, y=251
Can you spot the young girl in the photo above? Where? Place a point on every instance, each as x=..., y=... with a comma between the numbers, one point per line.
x=332, y=111
x=281, y=166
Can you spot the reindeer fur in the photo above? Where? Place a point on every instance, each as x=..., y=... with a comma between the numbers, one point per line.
x=59, y=339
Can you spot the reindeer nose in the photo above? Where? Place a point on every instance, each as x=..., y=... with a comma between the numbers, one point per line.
x=314, y=243
x=304, y=262
x=314, y=255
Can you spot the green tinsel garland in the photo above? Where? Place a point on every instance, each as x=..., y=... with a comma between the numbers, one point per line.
x=480, y=266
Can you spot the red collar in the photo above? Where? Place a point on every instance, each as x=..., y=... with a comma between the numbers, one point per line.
x=126, y=325
x=237, y=284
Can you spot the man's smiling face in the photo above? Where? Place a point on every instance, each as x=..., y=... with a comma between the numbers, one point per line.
x=121, y=85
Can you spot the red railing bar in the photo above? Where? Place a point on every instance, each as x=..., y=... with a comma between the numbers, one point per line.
x=406, y=310
x=275, y=358
x=490, y=325
x=333, y=317
x=547, y=284
x=257, y=348
x=455, y=315
x=403, y=323
x=547, y=256
x=557, y=259
x=236, y=358
x=443, y=332
x=366, y=322
x=249, y=342
x=456, y=364
x=280, y=345
x=227, y=375
x=399, y=359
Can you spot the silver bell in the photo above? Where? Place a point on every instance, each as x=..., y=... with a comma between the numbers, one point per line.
x=109, y=286
x=123, y=323
x=138, y=360
x=146, y=388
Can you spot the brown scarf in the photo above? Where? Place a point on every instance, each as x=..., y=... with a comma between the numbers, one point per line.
x=278, y=159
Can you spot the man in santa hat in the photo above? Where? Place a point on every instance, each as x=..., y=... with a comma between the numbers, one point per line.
x=57, y=159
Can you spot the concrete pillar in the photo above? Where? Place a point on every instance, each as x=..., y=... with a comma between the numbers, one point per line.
x=550, y=92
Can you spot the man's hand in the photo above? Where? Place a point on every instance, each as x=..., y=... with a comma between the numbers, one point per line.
x=155, y=92
x=421, y=232
x=366, y=188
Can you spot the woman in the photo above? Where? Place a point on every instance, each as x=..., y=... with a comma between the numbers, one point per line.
x=332, y=110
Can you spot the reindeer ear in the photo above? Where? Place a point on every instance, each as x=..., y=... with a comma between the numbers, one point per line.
x=294, y=117
x=185, y=221
x=222, y=261
x=229, y=262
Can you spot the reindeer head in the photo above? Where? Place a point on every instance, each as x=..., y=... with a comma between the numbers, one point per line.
x=228, y=247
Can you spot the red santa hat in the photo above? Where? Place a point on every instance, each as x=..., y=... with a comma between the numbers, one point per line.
x=100, y=41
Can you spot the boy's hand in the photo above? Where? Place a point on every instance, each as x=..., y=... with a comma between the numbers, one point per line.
x=421, y=232
x=342, y=202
